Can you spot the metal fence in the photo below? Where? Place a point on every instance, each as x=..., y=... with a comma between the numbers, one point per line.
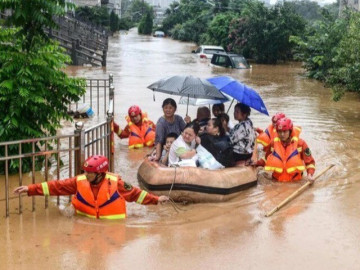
x=98, y=95
x=59, y=156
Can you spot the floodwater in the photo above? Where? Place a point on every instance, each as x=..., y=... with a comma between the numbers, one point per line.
x=318, y=230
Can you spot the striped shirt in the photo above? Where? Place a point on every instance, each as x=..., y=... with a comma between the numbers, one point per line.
x=243, y=137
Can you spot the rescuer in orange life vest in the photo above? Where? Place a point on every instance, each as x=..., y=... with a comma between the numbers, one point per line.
x=264, y=138
x=98, y=193
x=288, y=156
x=140, y=130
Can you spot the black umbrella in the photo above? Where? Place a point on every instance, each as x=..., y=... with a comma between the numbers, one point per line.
x=188, y=86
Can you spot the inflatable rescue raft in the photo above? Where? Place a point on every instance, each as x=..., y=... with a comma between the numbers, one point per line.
x=195, y=184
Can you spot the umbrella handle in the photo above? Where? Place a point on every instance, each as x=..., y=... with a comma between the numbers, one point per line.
x=187, y=106
x=230, y=106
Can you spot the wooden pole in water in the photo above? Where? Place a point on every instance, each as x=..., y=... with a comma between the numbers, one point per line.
x=297, y=192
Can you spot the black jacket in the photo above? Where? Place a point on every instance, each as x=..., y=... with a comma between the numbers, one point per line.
x=219, y=147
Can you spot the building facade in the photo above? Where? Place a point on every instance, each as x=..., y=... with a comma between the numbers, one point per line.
x=89, y=3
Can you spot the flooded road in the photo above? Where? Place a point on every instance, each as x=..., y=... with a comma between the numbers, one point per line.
x=318, y=230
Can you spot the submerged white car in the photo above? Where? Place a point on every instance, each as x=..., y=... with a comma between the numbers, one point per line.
x=159, y=34
x=207, y=51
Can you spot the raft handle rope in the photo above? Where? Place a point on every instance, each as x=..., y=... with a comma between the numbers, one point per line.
x=172, y=202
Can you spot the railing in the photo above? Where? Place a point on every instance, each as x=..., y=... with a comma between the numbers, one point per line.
x=95, y=140
x=81, y=52
x=99, y=93
x=71, y=150
x=85, y=43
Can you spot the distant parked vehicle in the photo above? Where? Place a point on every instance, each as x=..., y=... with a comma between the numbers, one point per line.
x=207, y=51
x=229, y=60
x=159, y=34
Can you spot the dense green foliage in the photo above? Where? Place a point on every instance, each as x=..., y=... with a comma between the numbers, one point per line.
x=95, y=15
x=34, y=91
x=244, y=26
x=309, y=10
x=263, y=33
x=114, y=22
x=125, y=24
x=173, y=17
x=344, y=74
x=100, y=16
x=138, y=10
x=327, y=45
x=188, y=20
x=218, y=30
x=146, y=24
x=330, y=52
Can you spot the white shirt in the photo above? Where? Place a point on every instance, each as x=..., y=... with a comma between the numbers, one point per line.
x=179, y=143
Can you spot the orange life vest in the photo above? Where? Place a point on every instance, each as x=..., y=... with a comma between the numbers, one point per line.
x=286, y=163
x=109, y=204
x=140, y=137
x=265, y=137
x=270, y=133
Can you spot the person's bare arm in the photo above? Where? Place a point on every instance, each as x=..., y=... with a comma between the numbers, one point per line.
x=158, y=151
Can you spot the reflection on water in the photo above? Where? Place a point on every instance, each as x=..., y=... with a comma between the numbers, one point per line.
x=318, y=230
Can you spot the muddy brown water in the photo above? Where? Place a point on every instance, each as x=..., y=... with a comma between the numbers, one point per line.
x=318, y=230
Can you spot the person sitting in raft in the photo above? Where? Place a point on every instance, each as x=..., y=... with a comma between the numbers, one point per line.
x=218, y=110
x=217, y=142
x=140, y=130
x=225, y=121
x=168, y=123
x=182, y=151
x=98, y=193
x=288, y=156
x=202, y=118
x=170, y=138
x=242, y=136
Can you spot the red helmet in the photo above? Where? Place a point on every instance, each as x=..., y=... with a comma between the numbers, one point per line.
x=134, y=110
x=96, y=164
x=277, y=117
x=284, y=124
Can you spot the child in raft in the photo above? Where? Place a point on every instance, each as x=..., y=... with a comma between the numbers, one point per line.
x=164, y=159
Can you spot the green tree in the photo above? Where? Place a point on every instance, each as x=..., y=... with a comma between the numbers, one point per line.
x=137, y=10
x=189, y=20
x=309, y=10
x=34, y=90
x=96, y=15
x=330, y=52
x=218, y=30
x=344, y=74
x=333, y=9
x=263, y=33
x=146, y=24
x=174, y=16
x=125, y=24
x=318, y=46
x=192, y=30
x=237, y=5
x=114, y=22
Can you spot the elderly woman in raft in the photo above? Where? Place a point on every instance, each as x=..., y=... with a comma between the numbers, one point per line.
x=183, y=148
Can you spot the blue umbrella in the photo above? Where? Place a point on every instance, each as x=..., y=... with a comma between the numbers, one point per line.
x=239, y=91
